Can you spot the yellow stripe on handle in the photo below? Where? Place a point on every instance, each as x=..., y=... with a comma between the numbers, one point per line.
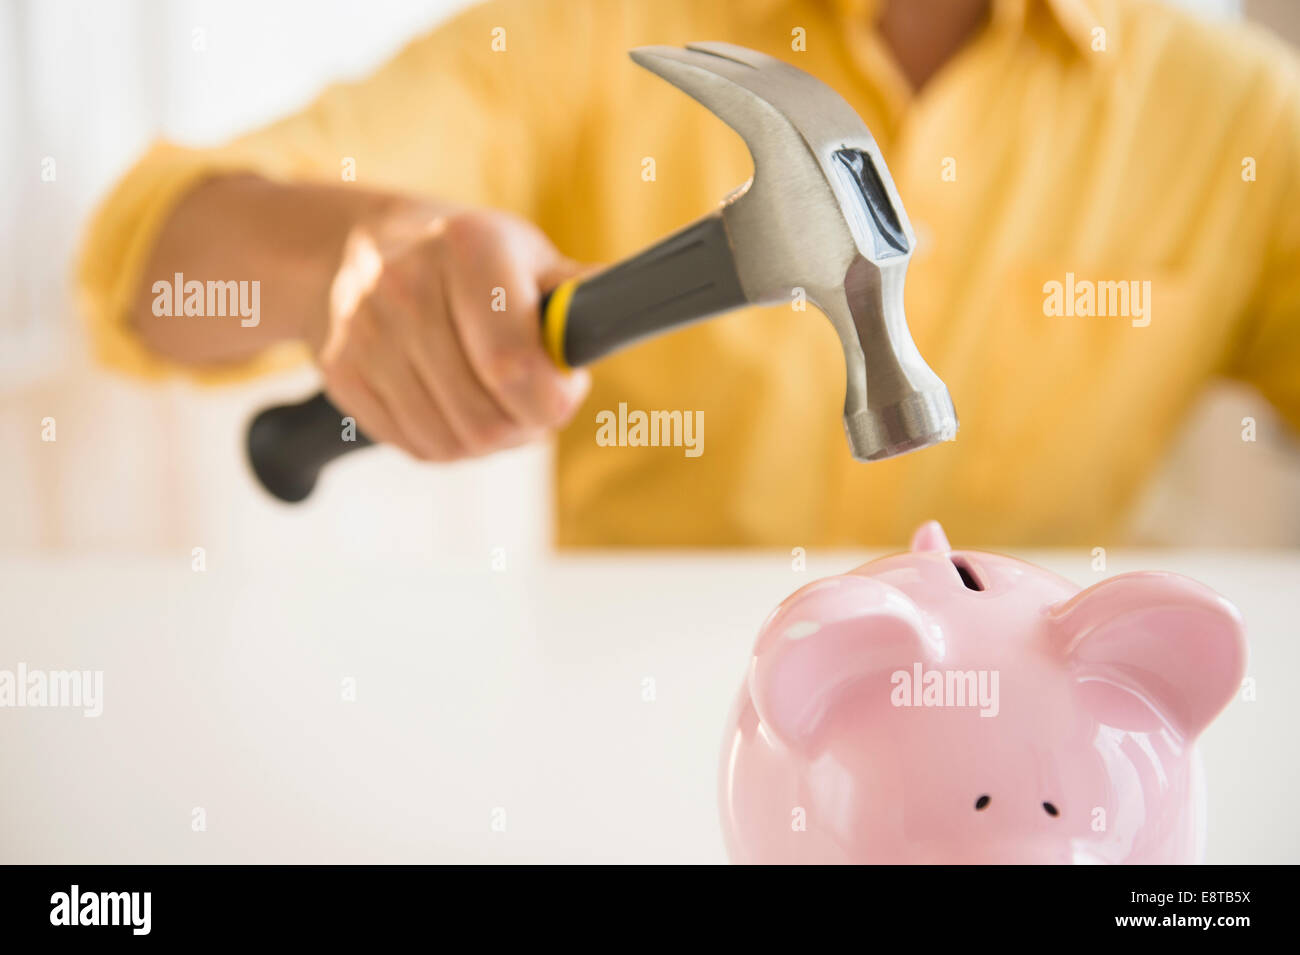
x=555, y=319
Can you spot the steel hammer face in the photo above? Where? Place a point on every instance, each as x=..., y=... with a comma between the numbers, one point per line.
x=821, y=214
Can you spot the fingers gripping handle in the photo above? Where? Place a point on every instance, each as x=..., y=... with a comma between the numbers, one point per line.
x=687, y=276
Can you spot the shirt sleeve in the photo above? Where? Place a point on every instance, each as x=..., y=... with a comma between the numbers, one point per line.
x=1268, y=353
x=463, y=113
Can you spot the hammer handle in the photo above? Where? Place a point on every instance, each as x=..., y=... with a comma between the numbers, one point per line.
x=289, y=444
x=687, y=276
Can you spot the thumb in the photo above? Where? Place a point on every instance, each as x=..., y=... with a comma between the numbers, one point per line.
x=561, y=270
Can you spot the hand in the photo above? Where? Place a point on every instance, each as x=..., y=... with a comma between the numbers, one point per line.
x=414, y=349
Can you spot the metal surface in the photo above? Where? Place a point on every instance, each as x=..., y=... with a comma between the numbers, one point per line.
x=816, y=216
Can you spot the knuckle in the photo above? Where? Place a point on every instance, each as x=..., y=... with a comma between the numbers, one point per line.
x=393, y=284
x=411, y=275
x=555, y=412
x=333, y=368
x=560, y=407
x=553, y=399
x=508, y=365
x=451, y=449
x=494, y=435
x=363, y=330
x=424, y=447
x=473, y=440
x=339, y=372
x=439, y=445
x=474, y=443
x=468, y=229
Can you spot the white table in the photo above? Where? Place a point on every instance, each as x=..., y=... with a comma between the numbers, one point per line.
x=476, y=691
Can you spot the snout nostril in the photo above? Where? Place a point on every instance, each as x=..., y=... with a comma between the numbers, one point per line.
x=1050, y=809
x=968, y=578
x=982, y=803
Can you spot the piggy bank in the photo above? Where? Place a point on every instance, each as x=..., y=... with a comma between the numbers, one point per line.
x=946, y=706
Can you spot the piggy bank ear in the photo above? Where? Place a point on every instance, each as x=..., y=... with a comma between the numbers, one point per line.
x=826, y=638
x=1154, y=642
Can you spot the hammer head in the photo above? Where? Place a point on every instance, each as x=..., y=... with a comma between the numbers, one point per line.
x=821, y=214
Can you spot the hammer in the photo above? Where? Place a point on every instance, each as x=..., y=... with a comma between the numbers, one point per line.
x=820, y=213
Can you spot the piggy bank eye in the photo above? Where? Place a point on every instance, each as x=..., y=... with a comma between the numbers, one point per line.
x=1050, y=809
x=982, y=803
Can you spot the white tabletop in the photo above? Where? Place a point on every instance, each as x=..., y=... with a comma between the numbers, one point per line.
x=482, y=697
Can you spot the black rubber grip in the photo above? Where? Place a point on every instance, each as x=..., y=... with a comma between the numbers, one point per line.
x=687, y=276
x=289, y=444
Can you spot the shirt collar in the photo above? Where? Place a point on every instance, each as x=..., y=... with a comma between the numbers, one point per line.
x=1075, y=19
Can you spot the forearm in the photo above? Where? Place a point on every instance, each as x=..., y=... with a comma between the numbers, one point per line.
x=287, y=238
x=395, y=295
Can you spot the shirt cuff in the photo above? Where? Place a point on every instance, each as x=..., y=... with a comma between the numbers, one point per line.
x=116, y=248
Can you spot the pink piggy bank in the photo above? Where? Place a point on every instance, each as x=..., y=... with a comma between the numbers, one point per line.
x=949, y=706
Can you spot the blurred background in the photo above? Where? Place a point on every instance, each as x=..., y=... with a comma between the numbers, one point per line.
x=145, y=468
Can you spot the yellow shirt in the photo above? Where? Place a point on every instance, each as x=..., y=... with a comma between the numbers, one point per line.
x=1069, y=143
